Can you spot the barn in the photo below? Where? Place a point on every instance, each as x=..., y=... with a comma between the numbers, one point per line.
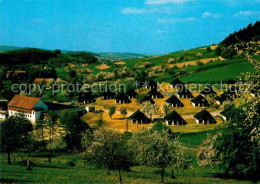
x=204, y=117
x=174, y=119
x=139, y=117
x=173, y=101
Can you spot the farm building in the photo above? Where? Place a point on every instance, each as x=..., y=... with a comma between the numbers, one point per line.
x=131, y=93
x=155, y=94
x=173, y=101
x=199, y=101
x=208, y=91
x=222, y=98
x=204, y=117
x=30, y=107
x=122, y=98
x=147, y=99
x=176, y=83
x=174, y=119
x=139, y=117
x=108, y=94
x=184, y=93
x=86, y=98
x=151, y=85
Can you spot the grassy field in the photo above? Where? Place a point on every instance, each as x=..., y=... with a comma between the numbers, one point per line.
x=223, y=73
x=61, y=73
x=61, y=171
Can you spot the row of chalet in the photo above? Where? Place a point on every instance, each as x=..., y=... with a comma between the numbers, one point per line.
x=203, y=117
x=35, y=109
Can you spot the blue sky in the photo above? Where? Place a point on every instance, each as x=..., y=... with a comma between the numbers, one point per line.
x=140, y=26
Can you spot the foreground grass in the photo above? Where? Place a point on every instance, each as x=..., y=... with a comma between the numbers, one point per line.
x=54, y=172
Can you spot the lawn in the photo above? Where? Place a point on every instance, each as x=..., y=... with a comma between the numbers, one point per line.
x=223, y=73
x=60, y=170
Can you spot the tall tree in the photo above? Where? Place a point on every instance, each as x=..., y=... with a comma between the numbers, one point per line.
x=156, y=149
x=74, y=128
x=14, y=134
x=108, y=148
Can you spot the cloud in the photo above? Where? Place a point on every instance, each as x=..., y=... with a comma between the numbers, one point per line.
x=248, y=13
x=209, y=14
x=159, y=2
x=164, y=10
x=176, y=20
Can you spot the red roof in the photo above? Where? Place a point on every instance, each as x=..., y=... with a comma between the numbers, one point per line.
x=23, y=102
x=39, y=80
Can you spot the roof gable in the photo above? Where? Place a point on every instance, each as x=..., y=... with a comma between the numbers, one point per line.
x=24, y=102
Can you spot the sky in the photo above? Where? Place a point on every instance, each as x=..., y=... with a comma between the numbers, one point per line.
x=138, y=26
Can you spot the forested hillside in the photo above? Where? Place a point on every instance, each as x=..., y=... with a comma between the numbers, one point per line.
x=39, y=56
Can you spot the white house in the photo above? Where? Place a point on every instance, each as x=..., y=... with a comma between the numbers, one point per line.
x=32, y=108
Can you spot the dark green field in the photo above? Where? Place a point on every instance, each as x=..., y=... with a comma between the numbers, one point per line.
x=223, y=73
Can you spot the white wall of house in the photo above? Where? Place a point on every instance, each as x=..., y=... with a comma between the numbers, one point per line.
x=29, y=116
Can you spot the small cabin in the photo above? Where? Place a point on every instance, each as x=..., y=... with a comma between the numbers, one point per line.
x=184, y=93
x=147, y=99
x=122, y=98
x=131, y=93
x=200, y=101
x=86, y=98
x=151, y=85
x=208, y=91
x=155, y=94
x=173, y=101
x=226, y=114
x=108, y=94
x=174, y=119
x=234, y=92
x=139, y=117
x=204, y=117
x=222, y=98
x=176, y=83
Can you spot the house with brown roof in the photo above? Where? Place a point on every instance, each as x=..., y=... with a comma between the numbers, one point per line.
x=19, y=74
x=31, y=107
x=40, y=80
